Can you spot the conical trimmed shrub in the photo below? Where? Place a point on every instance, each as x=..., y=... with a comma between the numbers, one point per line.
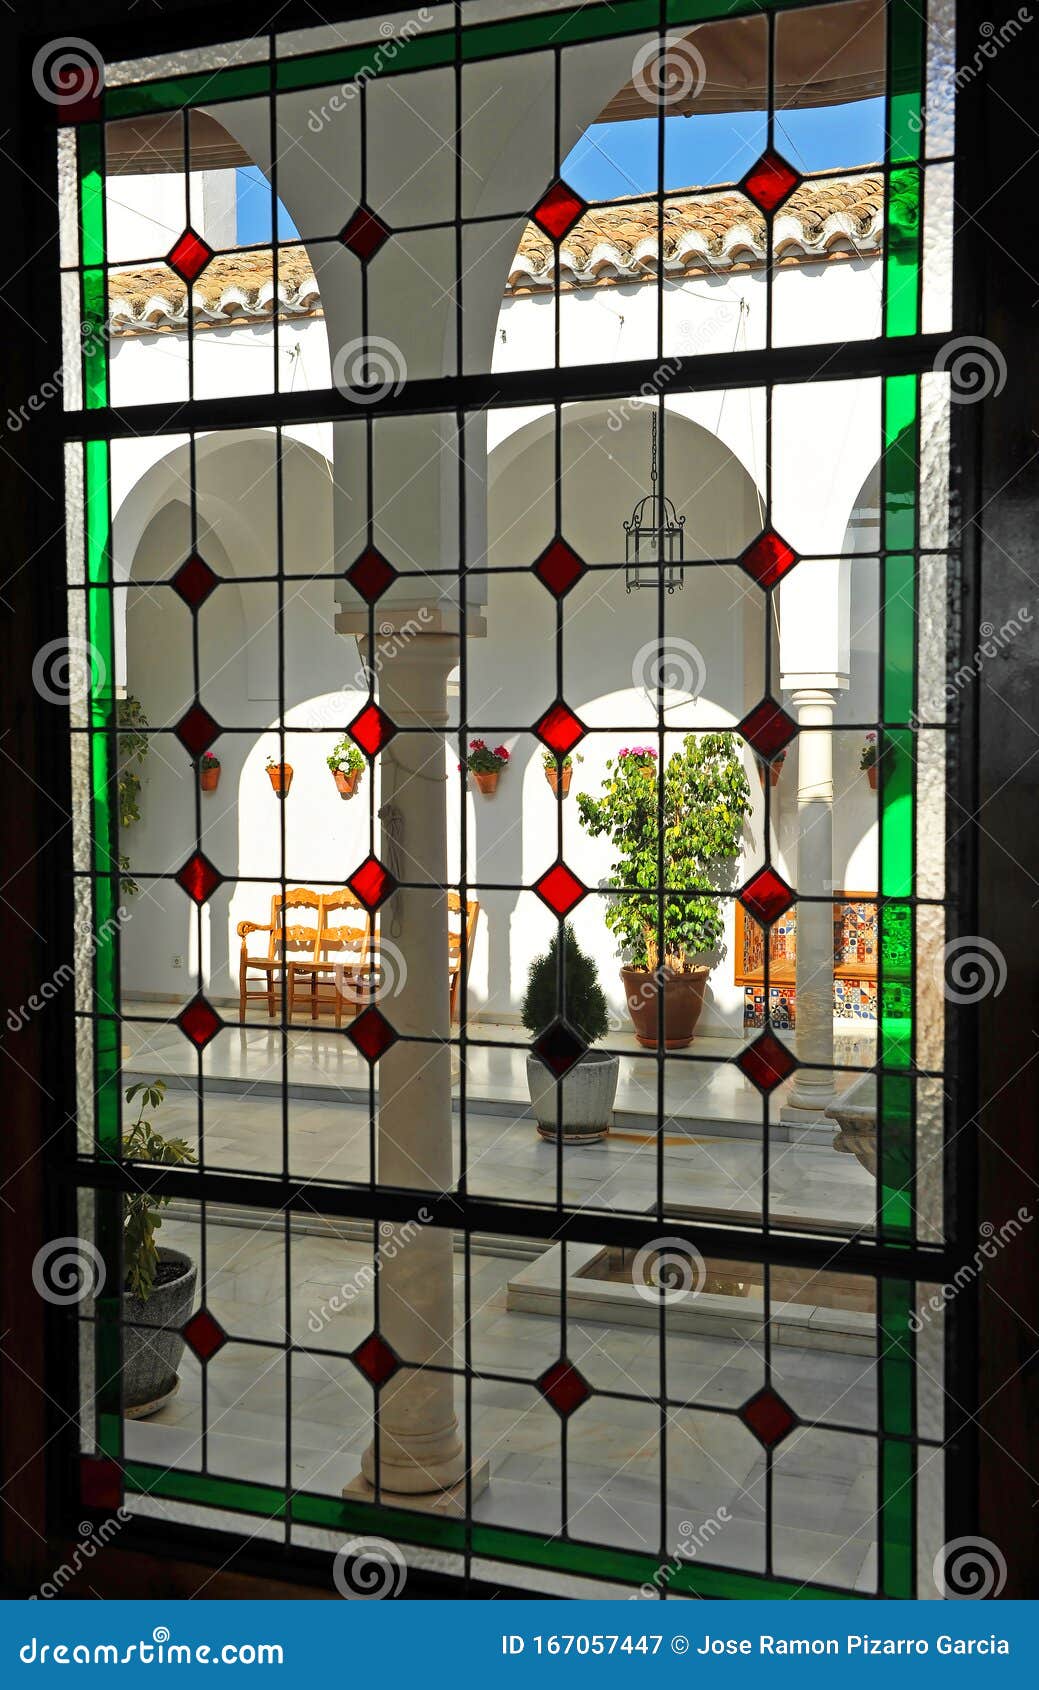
x=578, y=999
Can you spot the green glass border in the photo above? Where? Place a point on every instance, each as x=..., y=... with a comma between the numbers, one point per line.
x=497, y=1543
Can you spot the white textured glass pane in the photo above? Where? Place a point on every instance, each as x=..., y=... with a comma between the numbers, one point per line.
x=937, y=295
x=393, y=26
x=930, y=1360
x=216, y=57
x=930, y=1520
x=71, y=343
x=930, y=797
x=68, y=198
x=932, y=637
x=74, y=513
x=930, y=980
x=84, y=1085
x=934, y=461
x=941, y=77
x=930, y=1166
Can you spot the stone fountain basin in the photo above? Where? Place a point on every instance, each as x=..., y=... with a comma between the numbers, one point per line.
x=855, y=1114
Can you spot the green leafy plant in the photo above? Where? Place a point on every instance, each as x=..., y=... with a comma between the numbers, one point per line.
x=133, y=748
x=346, y=756
x=551, y=761
x=208, y=761
x=705, y=800
x=584, y=1003
x=141, y=1212
x=481, y=760
x=868, y=758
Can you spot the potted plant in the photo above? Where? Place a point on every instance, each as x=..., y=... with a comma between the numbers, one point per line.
x=158, y=1284
x=280, y=777
x=208, y=772
x=485, y=765
x=568, y=988
x=869, y=760
x=559, y=771
x=772, y=766
x=133, y=748
x=347, y=765
x=705, y=800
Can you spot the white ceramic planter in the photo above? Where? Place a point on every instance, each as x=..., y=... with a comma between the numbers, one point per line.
x=588, y=1093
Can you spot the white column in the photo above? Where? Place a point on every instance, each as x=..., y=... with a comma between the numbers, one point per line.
x=420, y=1449
x=813, y=1089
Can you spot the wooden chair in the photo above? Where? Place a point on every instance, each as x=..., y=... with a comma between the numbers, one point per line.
x=342, y=951
x=283, y=941
x=465, y=930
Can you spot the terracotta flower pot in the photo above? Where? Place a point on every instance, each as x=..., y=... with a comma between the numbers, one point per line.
x=775, y=769
x=281, y=779
x=209, y=777
x=683, y=996
x=346, y=781
x=552, y=776
x=871, y=776
x=486, y=783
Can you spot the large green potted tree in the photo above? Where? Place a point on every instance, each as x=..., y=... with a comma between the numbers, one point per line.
x=158, y=1284
x=567, y=988
x=705, y=800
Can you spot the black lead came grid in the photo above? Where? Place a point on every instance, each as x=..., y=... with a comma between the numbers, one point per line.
x=591, y=1353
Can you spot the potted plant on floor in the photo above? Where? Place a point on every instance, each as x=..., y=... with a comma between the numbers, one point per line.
x=208, y=772
x=705, y=800
x=869, y=760
x=485, y=765
x=586, y=1092
x=347, y=765
x=559, y=771
x=158, y=1284
x=280, y=777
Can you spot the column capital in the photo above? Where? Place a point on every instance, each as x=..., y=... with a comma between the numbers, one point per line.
x=412, y=674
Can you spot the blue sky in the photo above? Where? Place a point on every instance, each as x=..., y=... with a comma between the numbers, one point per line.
x=615, y=159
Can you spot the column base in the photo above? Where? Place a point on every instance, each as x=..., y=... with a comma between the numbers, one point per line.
x=810, y=1123
x=449, y=1503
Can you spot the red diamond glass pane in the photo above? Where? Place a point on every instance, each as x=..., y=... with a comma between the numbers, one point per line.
x=204, y=1335
x=199, y=1021
x=558, y=210
x=199, y=878
x=371, y=575
x=768, y=558
x=564, y=1387
x=559, y=1048
x=766, y=896
x=372, y=729
x=374, y=1358
x=560, y=729
x=372, y=1034
x=197, y=730
x=768, y=1416
x=769, y=182
x=560, y=889
x=372, y=883
x=190, y=256
x=768, y=729
x=766, y=1062
x=194, y=581
x=364, y=234
x=100, y=1482
x=559, y=567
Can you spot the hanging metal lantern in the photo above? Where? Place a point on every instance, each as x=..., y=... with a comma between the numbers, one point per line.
x=654, y=537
